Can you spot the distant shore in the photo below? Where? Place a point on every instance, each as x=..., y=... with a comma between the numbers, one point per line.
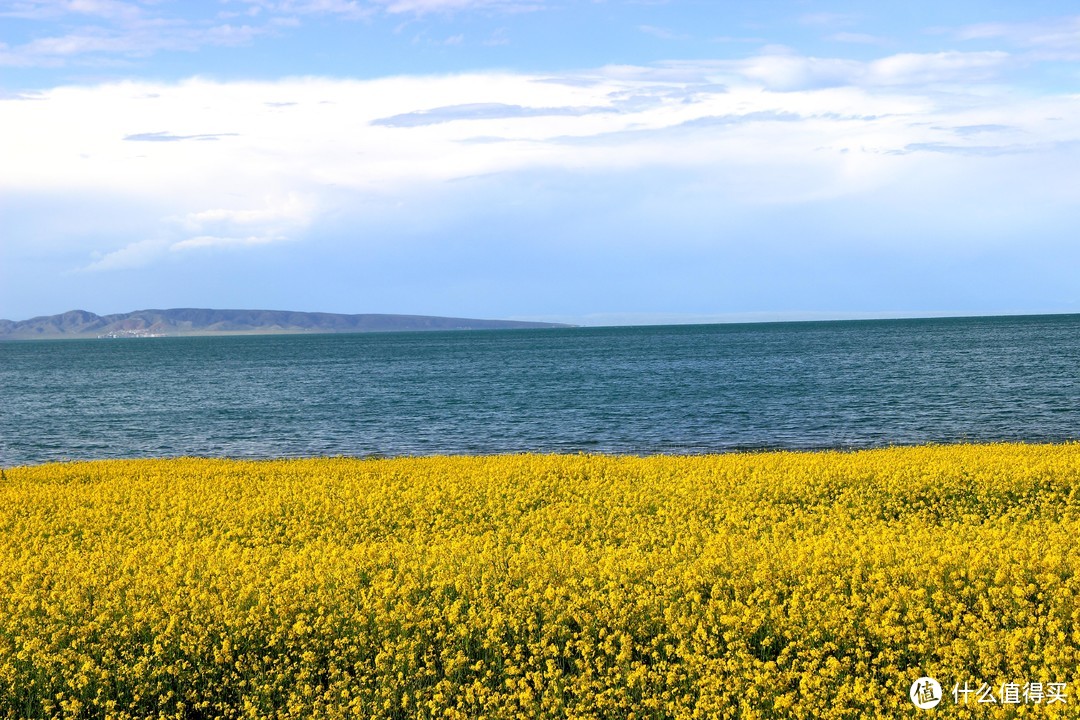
x=187, y=322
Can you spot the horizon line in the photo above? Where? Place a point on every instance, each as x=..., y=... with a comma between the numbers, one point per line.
x=645, y=319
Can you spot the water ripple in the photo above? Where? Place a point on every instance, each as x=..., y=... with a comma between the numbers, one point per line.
x=686, y=389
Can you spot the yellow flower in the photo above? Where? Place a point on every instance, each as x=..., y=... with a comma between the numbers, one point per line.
x=790, y=585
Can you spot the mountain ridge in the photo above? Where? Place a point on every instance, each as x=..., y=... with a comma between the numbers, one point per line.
x=206, y=321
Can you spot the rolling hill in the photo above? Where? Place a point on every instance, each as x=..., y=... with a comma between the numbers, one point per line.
x=196, y=321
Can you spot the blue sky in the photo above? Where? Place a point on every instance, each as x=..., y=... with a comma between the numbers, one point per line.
x=593, y=161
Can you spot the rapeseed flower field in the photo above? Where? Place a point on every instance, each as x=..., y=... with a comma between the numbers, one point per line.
x=763, y=585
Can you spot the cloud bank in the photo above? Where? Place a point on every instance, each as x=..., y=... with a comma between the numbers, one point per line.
x=690, y=185
x=241, y=165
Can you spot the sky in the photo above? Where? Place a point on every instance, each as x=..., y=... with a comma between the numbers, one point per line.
x=586, y=161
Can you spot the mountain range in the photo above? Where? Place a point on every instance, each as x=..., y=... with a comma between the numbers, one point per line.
x=196, y=321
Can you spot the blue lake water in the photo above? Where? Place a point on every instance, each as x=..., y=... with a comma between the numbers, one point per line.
x=674, y=389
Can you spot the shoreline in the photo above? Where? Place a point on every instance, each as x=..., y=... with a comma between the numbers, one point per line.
x=739, y=451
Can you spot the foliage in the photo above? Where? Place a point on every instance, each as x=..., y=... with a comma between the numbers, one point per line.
x=771, y=585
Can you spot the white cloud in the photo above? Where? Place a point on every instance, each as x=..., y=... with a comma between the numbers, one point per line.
x=829, y=19
x=785, y=70
x=344, y=9
x=52, y=9
x=422, y=7
x=126, y=42
x=357, y=10
x=245, y=164
x=1054, y=33
x=929, y=68
x=289, y=139
x=104, y=8
x=97, y=31
x=662, y=33
x=289, y=210
x=133, y=255
x=212, y=241
x=1050, y=39
x=277, y=219
x=857, y=38
x=797, y=72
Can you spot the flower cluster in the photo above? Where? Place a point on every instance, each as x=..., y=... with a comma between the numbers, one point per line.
x=764, y=585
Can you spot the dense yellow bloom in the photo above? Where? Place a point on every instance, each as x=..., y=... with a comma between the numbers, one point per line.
x=769, y=585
